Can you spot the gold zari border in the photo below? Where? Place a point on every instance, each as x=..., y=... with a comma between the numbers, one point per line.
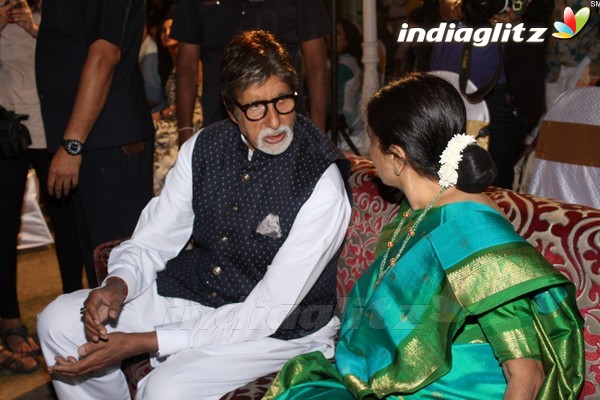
x=494, y=272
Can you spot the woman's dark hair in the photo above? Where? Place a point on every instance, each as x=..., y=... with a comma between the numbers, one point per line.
x=353, y=38
x=251, y=58
x=420, y=113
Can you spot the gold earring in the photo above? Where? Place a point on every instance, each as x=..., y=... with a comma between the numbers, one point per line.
x=395, y=170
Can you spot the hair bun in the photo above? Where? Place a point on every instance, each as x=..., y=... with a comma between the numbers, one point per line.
x=476, y=170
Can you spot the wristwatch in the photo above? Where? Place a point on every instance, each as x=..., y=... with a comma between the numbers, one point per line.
x=72, y=146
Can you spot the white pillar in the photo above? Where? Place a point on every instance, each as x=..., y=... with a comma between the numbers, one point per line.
x=370, y=56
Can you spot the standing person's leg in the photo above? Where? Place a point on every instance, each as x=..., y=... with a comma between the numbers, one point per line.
x=13, y=178
x=83, y=238
x=62, y=217
x=506, y=135
x=115, y=185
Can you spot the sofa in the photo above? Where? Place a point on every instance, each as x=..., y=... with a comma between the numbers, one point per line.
x=568, y=235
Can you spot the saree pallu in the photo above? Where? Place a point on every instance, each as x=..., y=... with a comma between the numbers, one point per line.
x=399, y=338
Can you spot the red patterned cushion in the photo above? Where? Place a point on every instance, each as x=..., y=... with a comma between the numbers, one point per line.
x=374, y=207
x=252, y=391
x=101, y=254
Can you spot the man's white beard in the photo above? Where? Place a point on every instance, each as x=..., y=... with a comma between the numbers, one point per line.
x=275, y=148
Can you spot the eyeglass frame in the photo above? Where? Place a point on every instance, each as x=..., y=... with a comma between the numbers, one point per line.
x=245, y=107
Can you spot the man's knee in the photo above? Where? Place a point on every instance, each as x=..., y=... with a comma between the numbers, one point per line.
x=59, y=319
x=158, y=385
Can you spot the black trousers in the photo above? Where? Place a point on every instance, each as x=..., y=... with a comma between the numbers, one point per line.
x=115, y=184
x=507, y=130
x=13, y=174
x=13, y=178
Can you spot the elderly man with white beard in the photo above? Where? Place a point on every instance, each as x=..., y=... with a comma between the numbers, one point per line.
x=264, y=197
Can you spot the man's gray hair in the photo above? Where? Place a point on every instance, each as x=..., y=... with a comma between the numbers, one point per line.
x=250, y=58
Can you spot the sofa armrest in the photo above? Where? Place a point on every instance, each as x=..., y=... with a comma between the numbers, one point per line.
x=101, y=254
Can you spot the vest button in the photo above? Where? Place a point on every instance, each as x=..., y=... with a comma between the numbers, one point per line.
x=234, y=207
x=223, y=239
x=213, y=294
x=245, y=177
x=217, y=270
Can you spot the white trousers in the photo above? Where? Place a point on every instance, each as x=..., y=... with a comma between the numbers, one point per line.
x=204, y=373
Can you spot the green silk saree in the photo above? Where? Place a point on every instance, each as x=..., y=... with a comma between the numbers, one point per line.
x=467, y=294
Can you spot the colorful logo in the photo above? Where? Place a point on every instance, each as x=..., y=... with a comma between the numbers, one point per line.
x=573, y=24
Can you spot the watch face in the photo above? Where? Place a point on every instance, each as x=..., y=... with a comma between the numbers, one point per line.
x=73, y=147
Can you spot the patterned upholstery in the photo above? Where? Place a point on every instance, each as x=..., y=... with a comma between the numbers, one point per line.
x=568, y=236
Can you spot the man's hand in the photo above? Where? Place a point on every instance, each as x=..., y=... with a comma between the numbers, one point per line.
x=101, y=355
x=94, y=85
x=103, y=304
x=63, y=175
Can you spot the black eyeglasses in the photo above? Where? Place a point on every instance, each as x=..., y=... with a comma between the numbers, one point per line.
x=257, y=110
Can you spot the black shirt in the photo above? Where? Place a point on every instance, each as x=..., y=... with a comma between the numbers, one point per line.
x=68, y=28
x=212, y=24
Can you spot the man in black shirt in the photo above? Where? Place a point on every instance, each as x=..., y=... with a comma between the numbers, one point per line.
x=95, y=114
x=203, y=28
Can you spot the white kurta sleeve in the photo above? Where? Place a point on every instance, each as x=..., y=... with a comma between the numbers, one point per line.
x=316, y=234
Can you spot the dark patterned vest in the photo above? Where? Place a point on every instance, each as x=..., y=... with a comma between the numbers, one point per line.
x=232, y=197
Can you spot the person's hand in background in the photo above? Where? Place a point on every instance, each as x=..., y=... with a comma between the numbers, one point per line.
x=5, y=11
x=21, y=15
x=451, y=10
x=590, y=75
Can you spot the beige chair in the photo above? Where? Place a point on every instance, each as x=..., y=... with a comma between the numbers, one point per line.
x=567, y=157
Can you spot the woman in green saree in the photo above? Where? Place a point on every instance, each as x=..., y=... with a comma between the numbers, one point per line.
x=456, y=305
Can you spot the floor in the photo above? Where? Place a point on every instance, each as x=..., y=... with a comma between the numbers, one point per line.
x=38, y=284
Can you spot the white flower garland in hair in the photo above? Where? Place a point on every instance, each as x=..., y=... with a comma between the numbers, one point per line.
x=451, y=157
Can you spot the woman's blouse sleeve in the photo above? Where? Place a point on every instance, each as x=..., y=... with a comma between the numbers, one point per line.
x=510, y=330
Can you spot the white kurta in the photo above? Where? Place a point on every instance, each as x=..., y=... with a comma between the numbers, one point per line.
x=211, y=351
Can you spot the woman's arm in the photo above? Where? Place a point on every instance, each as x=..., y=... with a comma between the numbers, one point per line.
x=511, y=333
x=524, y=376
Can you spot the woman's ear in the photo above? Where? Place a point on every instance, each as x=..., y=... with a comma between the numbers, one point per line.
x=398, y=152
x=398, y=159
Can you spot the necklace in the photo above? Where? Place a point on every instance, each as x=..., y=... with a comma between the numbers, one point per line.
x=383, y=268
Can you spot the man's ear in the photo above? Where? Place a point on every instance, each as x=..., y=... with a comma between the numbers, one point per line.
x=232, y=116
